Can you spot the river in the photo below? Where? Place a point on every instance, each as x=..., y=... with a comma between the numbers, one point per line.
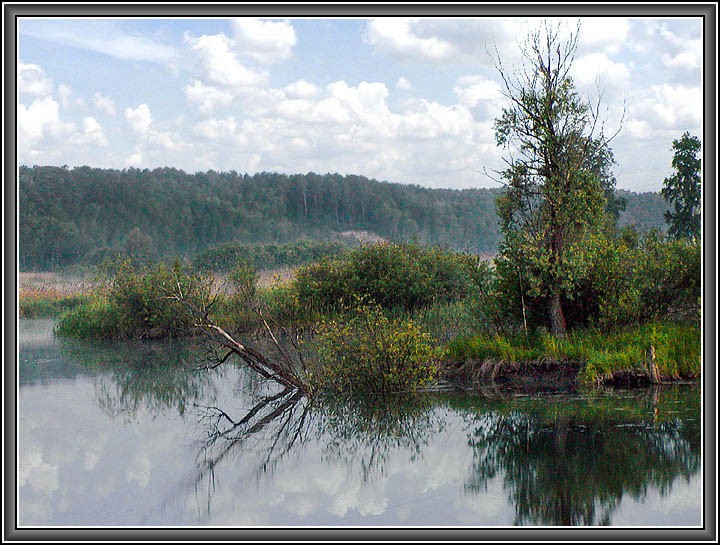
x=132, y=434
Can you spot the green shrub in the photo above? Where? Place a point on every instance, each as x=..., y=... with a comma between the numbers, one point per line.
x=368, y=352
x=96, y=318
x=406, y=276
x=141, y=304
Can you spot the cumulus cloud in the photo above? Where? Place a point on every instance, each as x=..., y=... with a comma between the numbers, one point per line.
x=32, y=119
x=206, y=98
x=139, y=119
x=64, y=91
x=666, y=107
x=400, y=38
x=219, y=62
x=216, y=129
x=44, y=137
x=301, y=89
x=599, y=66
x=33, y=81
x=92, y=133
x=480, y=95
x=605, y=34
x=264, y=41
x=104, y=104
x=152, y=141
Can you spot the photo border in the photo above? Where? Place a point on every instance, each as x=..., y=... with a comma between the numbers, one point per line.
x=11, y=12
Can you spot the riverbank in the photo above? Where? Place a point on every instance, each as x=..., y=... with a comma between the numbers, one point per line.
x=379, y=315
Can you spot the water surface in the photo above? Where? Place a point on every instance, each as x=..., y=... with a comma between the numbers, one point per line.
x=129, y=434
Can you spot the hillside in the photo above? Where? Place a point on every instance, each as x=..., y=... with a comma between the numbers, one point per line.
x=67, y=216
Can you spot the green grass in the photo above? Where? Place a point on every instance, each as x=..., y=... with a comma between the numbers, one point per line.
x=601, y=355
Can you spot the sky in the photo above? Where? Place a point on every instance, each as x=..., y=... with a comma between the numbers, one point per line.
x=406, y=100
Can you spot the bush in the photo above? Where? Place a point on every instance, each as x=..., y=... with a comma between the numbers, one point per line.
x=141, y=304
x=615, y=282
x=407, y=276
x=367, y=352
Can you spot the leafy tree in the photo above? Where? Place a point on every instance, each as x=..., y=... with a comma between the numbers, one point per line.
x=683, y=189
x=553, y=196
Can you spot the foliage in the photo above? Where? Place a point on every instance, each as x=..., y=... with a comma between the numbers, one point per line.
x=682, y=189
x=367, y=352
x=265, y=256
x=610, y=282
x=554, y=197
x=407, y=276
x=636, y=279
x=140, y=303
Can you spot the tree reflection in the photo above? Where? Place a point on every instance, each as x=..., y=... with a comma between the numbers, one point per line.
x=573, y=466
x=368, y=431
x=143, y=376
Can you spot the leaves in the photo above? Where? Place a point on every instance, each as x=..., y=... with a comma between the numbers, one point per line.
x=683, y=189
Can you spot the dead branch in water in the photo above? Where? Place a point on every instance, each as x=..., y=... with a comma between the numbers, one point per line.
x=282, y=372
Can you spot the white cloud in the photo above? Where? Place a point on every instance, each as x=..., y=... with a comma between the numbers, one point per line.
x=33, y=81
x=667, y=107
x=64, y=91
x=44, y=137
x=301, y=89
x=399, y=38
x=92, y=134
x=219, y=63
x=365, y=99
x=685, y=59
x=104, y=104
x=135, y=159
x=32, y=119
x=598, y=66
x=153, y=141
x=605, y=34
x=216, y=129
x=404, y=84
x=140, y=119
x=474, y=90
x=206, y=98
x=264, y=41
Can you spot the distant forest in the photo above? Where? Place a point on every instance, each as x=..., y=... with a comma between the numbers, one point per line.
x=73, y=216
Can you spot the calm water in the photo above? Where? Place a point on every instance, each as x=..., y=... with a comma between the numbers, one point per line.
x=132, y=434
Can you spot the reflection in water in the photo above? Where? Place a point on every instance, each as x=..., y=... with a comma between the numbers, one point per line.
x=368, y=431
x=573, y=467
x=153, y=376
x=564, y=462
x=123, y=433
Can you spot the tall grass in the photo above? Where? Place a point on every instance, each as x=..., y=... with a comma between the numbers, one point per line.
x=601, y=355
x=47, y=303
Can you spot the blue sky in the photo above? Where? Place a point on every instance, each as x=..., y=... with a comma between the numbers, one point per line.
x=397, y=99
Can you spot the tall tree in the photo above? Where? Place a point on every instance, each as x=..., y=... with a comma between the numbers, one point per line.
x=683, y=189
x=553, y=194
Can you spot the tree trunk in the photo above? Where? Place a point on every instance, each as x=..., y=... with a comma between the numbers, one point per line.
x=557, y=317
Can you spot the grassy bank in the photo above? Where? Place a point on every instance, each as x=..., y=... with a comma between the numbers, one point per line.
x=453, y=307
x=600, y=356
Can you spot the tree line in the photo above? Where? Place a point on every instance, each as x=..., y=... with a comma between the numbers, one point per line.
x=80, y=215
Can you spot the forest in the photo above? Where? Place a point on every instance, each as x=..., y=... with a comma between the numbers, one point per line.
x=82, y=215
